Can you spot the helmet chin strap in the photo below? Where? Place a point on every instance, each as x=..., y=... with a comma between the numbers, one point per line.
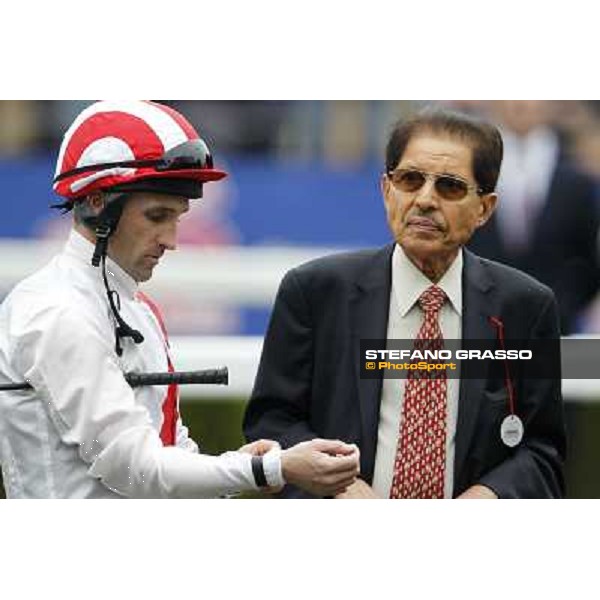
x=104, y=226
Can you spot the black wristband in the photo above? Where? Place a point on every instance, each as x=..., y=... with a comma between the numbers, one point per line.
x=259, y=472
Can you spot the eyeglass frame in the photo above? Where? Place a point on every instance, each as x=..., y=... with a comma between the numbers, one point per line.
x=435, y=176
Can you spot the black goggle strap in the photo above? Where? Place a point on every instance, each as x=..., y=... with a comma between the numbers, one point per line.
x=193, y=154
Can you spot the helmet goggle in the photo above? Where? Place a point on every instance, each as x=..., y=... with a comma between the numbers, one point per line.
x=193, y=154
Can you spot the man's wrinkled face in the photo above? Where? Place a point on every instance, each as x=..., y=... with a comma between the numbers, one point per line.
x=425, y=224
x=148, y=227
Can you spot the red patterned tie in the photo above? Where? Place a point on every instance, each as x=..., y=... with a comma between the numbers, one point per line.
x=421, y=455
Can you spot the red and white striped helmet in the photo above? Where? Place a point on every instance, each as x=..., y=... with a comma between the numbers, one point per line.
x=115, y=143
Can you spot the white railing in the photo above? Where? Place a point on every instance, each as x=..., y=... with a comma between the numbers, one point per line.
x=241, y=355
x=246, y=276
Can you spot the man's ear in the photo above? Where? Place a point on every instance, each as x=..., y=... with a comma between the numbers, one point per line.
x=385, y=186
x=96, y=201
x=487, y=207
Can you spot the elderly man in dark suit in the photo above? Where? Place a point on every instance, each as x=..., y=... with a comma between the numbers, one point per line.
x=432, y=438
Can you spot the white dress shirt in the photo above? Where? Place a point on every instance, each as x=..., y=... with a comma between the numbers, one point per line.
x=404, y=321
x=83, y=432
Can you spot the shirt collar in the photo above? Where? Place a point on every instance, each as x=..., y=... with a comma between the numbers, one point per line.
x=409, y=283
x=82, y=249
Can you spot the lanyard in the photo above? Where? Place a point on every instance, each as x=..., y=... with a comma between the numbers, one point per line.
x=511, y=429
x=499, y=326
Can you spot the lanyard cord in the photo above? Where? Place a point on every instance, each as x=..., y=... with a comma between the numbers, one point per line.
x=122, y=329
x=499, y=326
x=104, y=225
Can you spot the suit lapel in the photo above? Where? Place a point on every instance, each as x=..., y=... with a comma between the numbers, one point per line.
x=479, y=304
x=369, y=317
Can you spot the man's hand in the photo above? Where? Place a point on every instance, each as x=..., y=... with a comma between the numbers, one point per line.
x=478, y=492
x=357, y=491
x=321, y=467
x=259, y=448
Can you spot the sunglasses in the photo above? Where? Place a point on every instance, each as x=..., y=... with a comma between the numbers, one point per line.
x=193, y=154
x=448, y=187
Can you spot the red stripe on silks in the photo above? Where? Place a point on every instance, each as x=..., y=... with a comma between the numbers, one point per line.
x=134, y=131
x=169, y=404
x=156, y=312
x=170, y=412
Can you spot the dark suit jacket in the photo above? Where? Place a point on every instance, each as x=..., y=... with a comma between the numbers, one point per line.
x=563, y=249
x=308, y=382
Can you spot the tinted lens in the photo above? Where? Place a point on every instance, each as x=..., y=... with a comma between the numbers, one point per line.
x=408, y=181
x=451, y=188
x=189, y=155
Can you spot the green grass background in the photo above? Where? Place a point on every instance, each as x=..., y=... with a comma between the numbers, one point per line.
x=217, y=426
